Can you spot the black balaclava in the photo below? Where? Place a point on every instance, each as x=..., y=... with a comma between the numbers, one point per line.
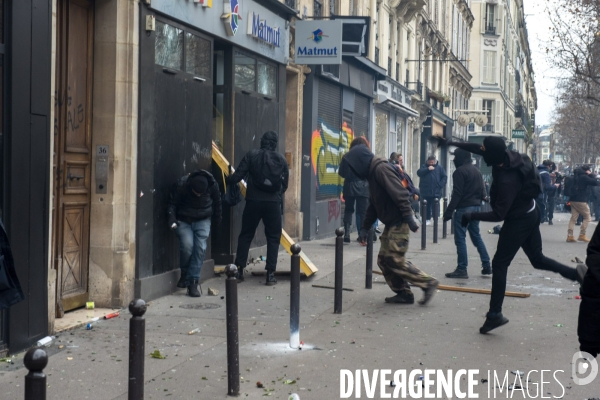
x=461, y=157
x=269, y=140
x=495, y=150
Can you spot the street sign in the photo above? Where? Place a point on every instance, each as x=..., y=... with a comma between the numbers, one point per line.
x=318, y=42
x=518, y=134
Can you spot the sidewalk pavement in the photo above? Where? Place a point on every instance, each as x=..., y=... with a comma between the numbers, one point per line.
x=370, y=334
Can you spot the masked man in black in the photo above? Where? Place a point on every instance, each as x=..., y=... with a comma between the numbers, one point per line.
x=513, y=202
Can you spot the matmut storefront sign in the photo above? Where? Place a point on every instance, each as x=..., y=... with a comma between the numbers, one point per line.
x=260, y=29
x=318, y=42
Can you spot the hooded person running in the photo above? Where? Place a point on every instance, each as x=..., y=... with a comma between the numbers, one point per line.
x=511, y=203
x=389, y=201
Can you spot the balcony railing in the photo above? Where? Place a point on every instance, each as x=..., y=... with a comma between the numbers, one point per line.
x=488, y=128
x=490, y=30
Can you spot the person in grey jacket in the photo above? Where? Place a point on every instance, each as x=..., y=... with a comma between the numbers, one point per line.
x=433, y=180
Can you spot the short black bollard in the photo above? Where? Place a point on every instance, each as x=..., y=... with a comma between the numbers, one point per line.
x=35, y=381
x=436, y=212
x=137, y=341
x=233, y=350
x=369, y=275
x=339, y=270
x=295, y=298
x=424, y=226
x=444, y=226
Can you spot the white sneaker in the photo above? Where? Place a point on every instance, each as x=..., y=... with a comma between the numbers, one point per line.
x=428, y=222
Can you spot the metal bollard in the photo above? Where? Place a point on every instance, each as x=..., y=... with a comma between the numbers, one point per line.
x=369, y=275
x=35, y=381
x=424, y=225
x=436, y=205
x=444, y=226
x=295, y=298
x=233, y=350
x=339, y=270
x=137, y=341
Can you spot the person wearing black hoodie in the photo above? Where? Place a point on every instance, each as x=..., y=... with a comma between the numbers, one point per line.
x=356, y=193
x=389, y=201
x=194, y=200
x=467, y=193
x=588, y=328
x=544, y=171
x=262, y=204
x=584, y=179
x=517, y=208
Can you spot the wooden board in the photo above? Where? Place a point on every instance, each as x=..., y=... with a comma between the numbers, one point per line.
x=473, y=290
x=286, y=241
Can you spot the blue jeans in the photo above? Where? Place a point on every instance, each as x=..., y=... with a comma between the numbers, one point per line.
x=192, y=247
x=460, y=236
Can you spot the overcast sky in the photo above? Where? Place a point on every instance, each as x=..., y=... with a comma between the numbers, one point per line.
x=537, y=29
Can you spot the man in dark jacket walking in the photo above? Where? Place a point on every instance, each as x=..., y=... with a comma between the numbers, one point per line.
x=432, y=182
x=589, y=310
x=467, y=193
x=579, y=202
x=389, y=201
x=356, y=193
x=511, y=202
x=194, y=200
x=267, y=175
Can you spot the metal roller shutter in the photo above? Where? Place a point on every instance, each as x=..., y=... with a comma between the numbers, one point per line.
x=361, y=116
x=327, y=142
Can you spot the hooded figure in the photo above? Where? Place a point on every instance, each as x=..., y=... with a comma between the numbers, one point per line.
x=389, y=201
x=589, y=310
x=513, y=203
x=267, y=175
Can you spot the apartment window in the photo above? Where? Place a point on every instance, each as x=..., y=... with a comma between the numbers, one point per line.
x=490, y=23
x=377, y=55
x=397, y=72
x=332, y=9
x=489, y=67
x=488, y=105
x=318, y=8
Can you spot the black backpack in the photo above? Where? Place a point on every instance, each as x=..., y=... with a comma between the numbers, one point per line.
x=570, y=187
x=267, y=174
x=532, y=183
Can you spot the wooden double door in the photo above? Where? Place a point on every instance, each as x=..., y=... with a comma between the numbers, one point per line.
x=72, y=158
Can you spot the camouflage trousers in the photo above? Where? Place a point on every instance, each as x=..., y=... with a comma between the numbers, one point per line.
x=399, y=272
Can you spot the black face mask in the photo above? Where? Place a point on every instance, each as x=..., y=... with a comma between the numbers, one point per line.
x=456, y=164
x=492, y=159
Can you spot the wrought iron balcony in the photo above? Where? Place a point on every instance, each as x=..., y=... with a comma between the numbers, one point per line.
x=488, y=128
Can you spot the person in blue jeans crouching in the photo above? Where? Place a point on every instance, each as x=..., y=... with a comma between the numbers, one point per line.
x=467, y=193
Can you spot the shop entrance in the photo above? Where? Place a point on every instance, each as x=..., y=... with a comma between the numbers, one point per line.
x=71, y=187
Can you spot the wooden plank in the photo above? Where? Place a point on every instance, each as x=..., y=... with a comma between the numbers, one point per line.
x=306, y=266
x=332, y=287
x=473, y=290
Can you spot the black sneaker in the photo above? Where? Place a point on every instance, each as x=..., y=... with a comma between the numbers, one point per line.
x=550, y=222
x=493, y=323
x=182, y=283
x=458, y=273
x=194, y=289
x=581, y=271
x=240, y=275
x=401, y=298
x=271, y=278
x=429, y=292
x=486, y=270
x=347, y=239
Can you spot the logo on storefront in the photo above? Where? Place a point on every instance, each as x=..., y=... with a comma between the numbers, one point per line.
x=231, y=16
x=317, y=36
x=262, y=31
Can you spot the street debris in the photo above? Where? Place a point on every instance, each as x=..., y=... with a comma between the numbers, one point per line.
x=47, y=341
x=156, y=354
x=88, y=327
x=289, y=382
x=269, y=298
x=69, y=358
x=111, y=315
x=197, y=330
x=89, y=305
x=559, y=325
x=577, y=297
x=213, y=292
x=6, y=360
x=294, y=396
x=259, y=385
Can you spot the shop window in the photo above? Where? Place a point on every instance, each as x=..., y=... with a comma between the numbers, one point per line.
x=168, y=46
x=197, y=55
x=254, y=75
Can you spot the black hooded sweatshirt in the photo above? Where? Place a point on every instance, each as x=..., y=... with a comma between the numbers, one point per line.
x=582, y=182
x=505, y=197
x=468, y=189
x=589, y=310
x=268, y=142
x=187, y=207
x=389, y=200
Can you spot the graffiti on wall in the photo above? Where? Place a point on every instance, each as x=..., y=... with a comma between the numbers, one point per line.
x=328, y=146
x=334, y=210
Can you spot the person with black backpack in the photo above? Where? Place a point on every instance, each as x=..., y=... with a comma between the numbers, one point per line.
x=515, y=186
x=267, y=174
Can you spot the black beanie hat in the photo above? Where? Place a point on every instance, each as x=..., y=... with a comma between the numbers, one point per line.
x=495, y=150
x=199, y=184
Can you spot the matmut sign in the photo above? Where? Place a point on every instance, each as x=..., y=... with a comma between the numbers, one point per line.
x=261, y=30
x=318, y=42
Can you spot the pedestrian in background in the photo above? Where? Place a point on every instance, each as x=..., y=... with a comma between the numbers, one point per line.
x=432, y=181
x=194, y=202
x=552, y=193
x=389, y=201
x=266, y=173
x=548, y=189
x=515, y=186
x=356, y=196
x=398, y=164
x=579, y=202
x=468, y=191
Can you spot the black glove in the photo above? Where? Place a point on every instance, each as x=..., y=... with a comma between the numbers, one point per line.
x=447, y=216
x=412, y=222
x=466, y=218
x=363, y=235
